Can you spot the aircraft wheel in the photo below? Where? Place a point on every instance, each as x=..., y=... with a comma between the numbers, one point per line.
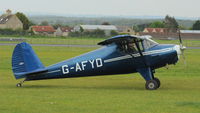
x=19, y=85
x=151, y=85
x=158, y=81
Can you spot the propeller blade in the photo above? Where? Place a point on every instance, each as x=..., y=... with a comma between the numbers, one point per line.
x=184, y=59
x=182, y=47
x=180, y=40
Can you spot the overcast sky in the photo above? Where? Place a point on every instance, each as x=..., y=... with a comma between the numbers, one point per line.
x=177, y=8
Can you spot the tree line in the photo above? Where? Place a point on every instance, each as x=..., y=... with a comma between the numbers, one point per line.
x=169, y=22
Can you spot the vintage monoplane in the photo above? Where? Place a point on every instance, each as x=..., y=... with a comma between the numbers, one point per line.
x=120, y=54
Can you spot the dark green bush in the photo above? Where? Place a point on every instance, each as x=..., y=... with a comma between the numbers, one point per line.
x=95, y=33
x=13, y=32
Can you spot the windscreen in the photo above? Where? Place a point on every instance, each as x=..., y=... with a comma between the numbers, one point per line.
x=148, y=43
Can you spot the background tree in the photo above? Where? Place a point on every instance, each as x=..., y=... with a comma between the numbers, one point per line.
x=113, y=33
x=182, y=27
x=157, y=24
x=141, y=27
x=105, y=23
x=81, y=29
x=22, y=17
x=196, y=25
x=57, y=26
x=171, y=23
x=44, y=23
x=98, y=33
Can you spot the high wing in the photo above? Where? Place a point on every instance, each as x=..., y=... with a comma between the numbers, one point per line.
x=127, y=43
x=132, y=44
x=118, y=39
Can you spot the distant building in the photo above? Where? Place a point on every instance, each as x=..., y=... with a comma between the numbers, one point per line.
x=62, y=31
x=190, y=31
x=106, y=28
x=125, y=30
x=159, y=33
x=190, y=34
x=43, y=30
x=10, y=21
x=164, y=33
x=155, y=30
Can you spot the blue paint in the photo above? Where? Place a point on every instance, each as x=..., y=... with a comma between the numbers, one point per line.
x=108, y=60
x=25, y=60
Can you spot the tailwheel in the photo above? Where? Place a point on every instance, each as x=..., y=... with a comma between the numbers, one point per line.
x=19, y=85
x=151, y=84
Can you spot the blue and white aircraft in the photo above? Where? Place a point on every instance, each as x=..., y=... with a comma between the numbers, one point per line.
x=120, y=54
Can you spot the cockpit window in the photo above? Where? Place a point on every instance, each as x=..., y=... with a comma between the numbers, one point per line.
x=129, y=46
x=132, y=47
x=148, y=43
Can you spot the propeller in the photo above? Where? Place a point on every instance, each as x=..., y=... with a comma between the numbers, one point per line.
x=182, y=48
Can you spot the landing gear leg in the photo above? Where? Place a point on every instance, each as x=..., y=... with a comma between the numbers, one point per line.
x=152, y=83
x=20, y=84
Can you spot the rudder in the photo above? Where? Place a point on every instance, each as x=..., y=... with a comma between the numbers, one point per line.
x=24, y=60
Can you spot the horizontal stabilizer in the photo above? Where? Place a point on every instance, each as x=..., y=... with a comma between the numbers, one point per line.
x=35, y=72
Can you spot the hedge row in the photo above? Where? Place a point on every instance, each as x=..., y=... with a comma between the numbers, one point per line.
x=13, y=32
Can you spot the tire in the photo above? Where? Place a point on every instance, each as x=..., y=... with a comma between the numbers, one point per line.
x=19, y=85
x=151, y=85
x=158, y=81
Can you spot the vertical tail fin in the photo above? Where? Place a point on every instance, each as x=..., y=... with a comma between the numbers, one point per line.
x=24, y=60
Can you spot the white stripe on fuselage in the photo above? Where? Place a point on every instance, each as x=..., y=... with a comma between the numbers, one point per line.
x=54, y=71
x=137, y=55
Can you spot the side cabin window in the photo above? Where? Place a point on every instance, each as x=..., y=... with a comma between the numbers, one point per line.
x=131, y=46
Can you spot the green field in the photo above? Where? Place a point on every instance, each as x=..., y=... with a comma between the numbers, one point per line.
x=179, y=91
x=57, y=40
x=88, y=41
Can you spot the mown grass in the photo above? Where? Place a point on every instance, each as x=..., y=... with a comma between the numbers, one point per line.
x=179, y=91
x=58, y=40
x=89, y=41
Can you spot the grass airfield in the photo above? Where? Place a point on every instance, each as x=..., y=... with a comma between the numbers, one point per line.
x=179, y=91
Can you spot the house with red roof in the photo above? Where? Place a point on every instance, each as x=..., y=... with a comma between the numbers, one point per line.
x=43, y=30
x=155, y=30
x=164, y=33
x=159, y=33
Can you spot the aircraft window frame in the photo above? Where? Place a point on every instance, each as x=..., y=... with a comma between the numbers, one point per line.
x=141, y=45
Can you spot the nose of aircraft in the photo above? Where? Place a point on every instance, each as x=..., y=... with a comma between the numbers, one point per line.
x=179, y=49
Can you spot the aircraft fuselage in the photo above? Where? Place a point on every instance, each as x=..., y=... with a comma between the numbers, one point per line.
x=110, y=60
